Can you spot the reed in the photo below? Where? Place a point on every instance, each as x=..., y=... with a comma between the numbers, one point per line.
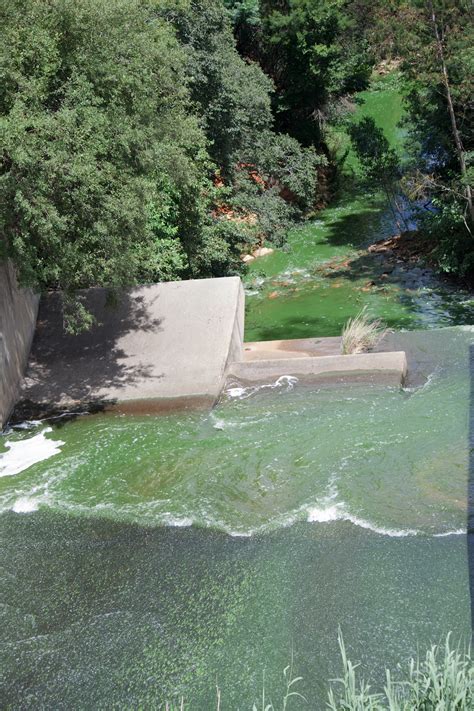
x=441, y=681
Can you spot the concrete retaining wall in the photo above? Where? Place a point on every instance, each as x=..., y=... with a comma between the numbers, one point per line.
x=162, y=345
x=18, y=310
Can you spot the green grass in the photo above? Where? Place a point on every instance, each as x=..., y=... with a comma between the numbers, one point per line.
x=443, y=680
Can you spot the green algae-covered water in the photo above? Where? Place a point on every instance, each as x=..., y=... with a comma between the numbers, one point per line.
x=147, y=557
x=324, y=276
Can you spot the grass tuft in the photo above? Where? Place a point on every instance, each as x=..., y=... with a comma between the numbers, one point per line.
x=442, y=681
x=361, y=333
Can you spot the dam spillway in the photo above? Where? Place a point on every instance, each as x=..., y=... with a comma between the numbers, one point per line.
x=168, y=343
x=172, y=345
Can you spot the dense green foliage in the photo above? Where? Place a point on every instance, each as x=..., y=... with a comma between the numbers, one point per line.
x=434, y=41
x=439, y=66
x=99, y=146
x=131, y=132
x=269, y=178
x=314, y=51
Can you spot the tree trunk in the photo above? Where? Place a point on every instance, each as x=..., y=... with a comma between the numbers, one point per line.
x=452, y=115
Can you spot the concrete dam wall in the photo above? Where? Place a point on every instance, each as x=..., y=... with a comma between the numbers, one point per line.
x=18, y=310
x=170, y=343
x=161, y=346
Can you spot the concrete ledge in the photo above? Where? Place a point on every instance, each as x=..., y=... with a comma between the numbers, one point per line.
x=292, y=348
x=169, y=343
x=384, y=367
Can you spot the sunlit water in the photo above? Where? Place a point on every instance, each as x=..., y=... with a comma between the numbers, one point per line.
x=345, y=505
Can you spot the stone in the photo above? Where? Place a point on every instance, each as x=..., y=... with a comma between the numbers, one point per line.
x=262, y=252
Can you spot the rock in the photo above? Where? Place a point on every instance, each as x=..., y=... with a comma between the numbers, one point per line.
x=273, y=295
x=262, y=252
x=247, y=258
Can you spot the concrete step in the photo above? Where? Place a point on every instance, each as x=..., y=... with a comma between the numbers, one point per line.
x=387, y=368
x=292, y=348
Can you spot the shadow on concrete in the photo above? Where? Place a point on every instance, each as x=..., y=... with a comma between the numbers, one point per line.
x=81, y=368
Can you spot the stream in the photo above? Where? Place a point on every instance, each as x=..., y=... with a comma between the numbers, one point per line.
x=149, y=558
x=326, y=276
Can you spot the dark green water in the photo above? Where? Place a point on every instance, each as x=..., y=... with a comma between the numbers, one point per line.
x=147, y=558
x=104, y=615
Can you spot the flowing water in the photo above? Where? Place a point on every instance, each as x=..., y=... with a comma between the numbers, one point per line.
x=144, y=558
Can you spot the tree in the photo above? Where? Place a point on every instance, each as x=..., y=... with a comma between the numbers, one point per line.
x=314, y=53
x=268, y=180
x=438, y=61
x=137, y=145
x=439, y=34
x=94, y=118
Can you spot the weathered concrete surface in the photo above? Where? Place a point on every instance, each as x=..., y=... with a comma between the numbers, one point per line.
x=168, y=342
x=18, y=309
x=381, y=367
x=293, y=348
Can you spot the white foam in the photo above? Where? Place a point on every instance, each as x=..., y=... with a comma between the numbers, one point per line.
x=218, y=423
x=455, y=532
x=175, y=522
x=26, y=425
x=25, y=505
x=324, y=515
x=23, y=454
x=392, y=532
x=236, y=392
x=242, y=393
x=338, y=512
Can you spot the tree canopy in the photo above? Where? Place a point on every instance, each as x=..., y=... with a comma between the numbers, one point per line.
x=130, y=131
